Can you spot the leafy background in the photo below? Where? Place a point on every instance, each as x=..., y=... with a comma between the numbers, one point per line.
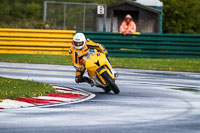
x=180, y=16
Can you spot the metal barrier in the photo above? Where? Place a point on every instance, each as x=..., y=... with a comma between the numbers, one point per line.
x=149, y=45
x=31, y=41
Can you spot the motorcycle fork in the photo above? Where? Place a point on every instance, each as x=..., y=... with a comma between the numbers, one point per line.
x=101, y=70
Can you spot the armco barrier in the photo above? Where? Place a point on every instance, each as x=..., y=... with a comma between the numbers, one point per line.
x=32, y=41
x=149, y=45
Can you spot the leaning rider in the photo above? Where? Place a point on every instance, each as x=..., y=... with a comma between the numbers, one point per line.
x=80, y=47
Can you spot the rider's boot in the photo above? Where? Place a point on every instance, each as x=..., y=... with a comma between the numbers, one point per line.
x=89, y=81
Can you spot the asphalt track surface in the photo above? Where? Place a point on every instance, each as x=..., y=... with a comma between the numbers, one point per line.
x=149, y=102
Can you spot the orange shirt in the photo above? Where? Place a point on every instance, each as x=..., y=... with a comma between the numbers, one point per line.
x=130, y=28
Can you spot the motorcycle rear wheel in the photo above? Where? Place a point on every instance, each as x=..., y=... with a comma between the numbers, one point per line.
x=110, y=82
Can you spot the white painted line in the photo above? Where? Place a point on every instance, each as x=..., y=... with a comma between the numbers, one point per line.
x=55, y=98
x=73, y=92
x=35, y=71
x=90, y=96
x=7, y=104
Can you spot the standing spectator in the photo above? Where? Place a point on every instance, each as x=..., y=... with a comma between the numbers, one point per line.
x=128, y=25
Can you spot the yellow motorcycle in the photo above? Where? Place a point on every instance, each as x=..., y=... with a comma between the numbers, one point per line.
x=99, y=71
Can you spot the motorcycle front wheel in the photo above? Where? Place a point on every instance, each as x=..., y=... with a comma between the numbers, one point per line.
x=110, y=82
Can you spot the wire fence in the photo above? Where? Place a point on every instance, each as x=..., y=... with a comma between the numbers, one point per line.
x=69, y=15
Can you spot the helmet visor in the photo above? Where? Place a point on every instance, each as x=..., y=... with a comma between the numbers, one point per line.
x=78, y=44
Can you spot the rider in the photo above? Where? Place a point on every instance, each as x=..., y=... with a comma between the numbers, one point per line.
x=80, y=47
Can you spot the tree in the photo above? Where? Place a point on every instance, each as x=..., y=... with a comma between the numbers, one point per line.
x=181, y=16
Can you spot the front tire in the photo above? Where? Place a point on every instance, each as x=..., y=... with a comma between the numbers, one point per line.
x=110, y=82
x=107, y=89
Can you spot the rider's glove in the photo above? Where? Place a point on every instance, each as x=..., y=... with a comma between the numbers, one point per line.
x=105, y=52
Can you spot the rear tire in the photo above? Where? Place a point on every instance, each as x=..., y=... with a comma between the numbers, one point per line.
x=110, y=82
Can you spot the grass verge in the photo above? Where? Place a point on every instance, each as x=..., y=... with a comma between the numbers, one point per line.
x=15, y=88
x=185, y=65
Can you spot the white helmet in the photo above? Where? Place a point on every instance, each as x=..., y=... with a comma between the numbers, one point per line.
x=79, y=40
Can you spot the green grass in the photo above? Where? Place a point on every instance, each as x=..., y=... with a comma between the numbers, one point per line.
x=185, y=65
x=30, y=58
x=15, y=88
